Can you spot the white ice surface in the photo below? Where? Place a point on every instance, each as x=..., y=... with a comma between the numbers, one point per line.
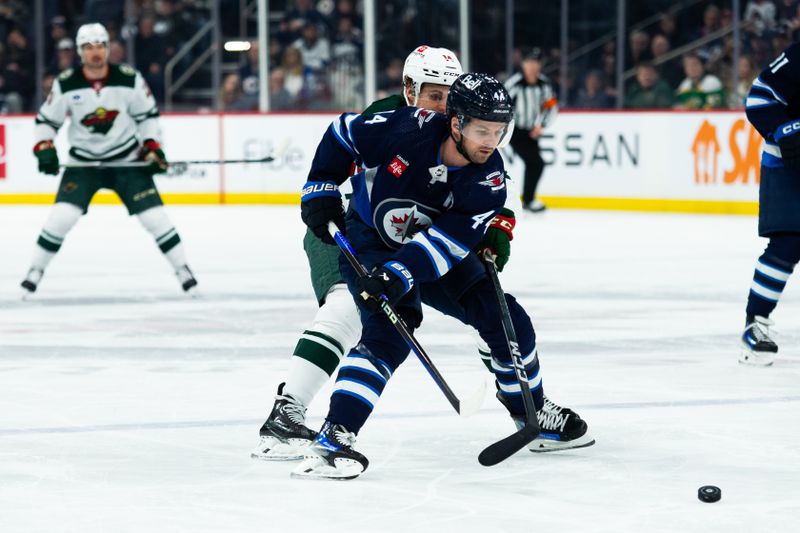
x=126, y=407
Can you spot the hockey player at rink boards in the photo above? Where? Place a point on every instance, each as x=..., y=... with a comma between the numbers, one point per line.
x=432, y=186
x=773, y=107
x=114, y=118
x=427, y=75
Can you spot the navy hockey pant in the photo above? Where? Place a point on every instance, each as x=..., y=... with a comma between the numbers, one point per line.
x=367, y=368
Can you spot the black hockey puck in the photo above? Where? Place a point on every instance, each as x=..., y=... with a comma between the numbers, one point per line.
x=709, y=494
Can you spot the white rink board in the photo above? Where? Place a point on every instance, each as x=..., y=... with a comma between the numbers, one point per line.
x=689, y=156
x=679, y=156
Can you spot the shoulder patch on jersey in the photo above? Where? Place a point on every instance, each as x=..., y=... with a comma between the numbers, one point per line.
x=398, y=165
x=438, y=173
x=423, y=116
x=71, y=80
x=496, y=181
x=121, y=76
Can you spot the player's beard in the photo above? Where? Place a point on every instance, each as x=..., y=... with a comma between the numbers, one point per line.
x=474, y=155
x=480, y=155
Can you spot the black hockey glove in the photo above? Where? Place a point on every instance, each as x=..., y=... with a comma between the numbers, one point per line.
x=788, y=138
x=320, y=204
x=47, y=157
x=151, y=151
x=393, y=279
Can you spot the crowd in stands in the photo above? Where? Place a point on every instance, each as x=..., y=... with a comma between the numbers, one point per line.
x=701, y=77
x=316, y=52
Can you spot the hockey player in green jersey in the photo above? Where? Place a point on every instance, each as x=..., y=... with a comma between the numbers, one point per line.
x=427, y=75
x=114, y=119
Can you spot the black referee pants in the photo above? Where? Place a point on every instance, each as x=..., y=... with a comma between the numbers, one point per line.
x=528, y=149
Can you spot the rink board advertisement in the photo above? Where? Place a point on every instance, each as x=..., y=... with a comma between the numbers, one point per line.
x=662, y=161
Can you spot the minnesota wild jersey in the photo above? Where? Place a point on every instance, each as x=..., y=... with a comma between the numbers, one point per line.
x=109, y=118
x=706, y=94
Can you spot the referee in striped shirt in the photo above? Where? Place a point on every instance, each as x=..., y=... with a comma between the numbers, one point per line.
x=535, y=107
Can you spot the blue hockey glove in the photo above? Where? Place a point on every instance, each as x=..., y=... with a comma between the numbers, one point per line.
x=321, y=203
x=788, y=138
x=392, y=279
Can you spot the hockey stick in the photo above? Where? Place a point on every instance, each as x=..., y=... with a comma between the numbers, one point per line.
x=466, y=408
x=505, y=448
x=139, y=164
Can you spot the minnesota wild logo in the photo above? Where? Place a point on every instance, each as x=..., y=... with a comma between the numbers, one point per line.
x=100, y=121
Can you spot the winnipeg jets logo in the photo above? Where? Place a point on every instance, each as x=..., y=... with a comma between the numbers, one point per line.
x=495, y=180
x=397, y=221
x=407, y=225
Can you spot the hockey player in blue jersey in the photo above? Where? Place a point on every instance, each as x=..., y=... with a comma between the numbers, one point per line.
x=431, y=185
x=773, y=107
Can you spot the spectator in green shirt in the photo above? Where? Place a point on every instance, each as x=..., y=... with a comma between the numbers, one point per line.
x=648, y=91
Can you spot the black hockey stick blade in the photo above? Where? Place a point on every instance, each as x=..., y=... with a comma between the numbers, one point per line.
x=505, y=448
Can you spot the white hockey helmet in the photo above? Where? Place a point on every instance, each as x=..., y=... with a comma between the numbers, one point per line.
x=430, y=65
x=92, y=33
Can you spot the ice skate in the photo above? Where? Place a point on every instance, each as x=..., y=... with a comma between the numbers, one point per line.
x=758, y=347
x=331, y=456
x=187, y=281
x=561, y=428
x=283, y=437
x=31, y=281
x=536, y=206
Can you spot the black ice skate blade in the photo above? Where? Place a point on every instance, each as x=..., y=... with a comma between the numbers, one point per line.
x=505, y=448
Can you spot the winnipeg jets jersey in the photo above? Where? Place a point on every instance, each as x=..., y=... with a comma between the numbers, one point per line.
x=431, y=214
x=109, y=118
x=774, y=101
